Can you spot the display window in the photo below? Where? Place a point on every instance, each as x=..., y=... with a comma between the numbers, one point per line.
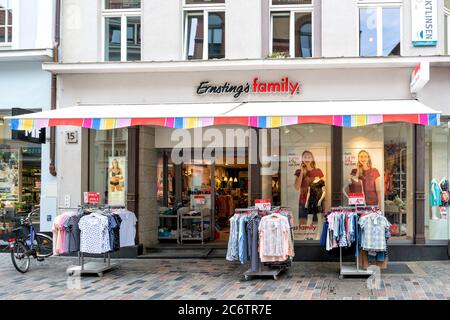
x=378, y=164
x=20, y=177
x=437, y=165
x=305, y=176
x=108, y=170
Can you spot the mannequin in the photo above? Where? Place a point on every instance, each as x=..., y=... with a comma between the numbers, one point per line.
x=435, y=198
x=314, y=199
x=355, y=185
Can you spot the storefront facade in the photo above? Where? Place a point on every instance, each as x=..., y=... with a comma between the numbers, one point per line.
x=340, y=111
x=400, y=152
x=25, y=43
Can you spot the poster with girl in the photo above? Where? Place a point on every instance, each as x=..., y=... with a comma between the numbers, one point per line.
x=116, y=181
x=363, y=173
x=307, y=189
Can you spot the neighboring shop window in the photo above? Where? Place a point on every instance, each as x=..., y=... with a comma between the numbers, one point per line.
x=377, y=163
x=379, y=31
x=165, y=186
x=6, y=22
x=122, y=24
x=108, y=167
x=305, y=172
x=20, y=177
x=437, y=166
x=204, y=30
x=292, y=29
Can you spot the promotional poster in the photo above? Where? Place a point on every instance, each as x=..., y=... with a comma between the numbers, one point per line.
x=116, y=181
x=307, y=222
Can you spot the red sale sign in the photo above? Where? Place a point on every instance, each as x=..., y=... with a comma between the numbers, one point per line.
x=263, y=204
x=91, y=197
x=356, y=199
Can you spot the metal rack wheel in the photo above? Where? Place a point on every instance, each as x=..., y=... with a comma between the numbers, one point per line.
x=341, y=277
x=246, y=278
x=275, y=278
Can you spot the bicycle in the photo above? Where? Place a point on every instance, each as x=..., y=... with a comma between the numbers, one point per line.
x=27, y=243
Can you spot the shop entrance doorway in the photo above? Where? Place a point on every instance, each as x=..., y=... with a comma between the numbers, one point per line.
x=196, y=198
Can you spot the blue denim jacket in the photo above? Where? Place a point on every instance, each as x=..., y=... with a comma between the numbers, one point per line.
x=242, y=240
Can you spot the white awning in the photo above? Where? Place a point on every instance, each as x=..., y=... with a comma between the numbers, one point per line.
x=255, y=114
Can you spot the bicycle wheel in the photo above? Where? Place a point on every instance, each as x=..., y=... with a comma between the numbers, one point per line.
x=43, y=245
x=20, y=259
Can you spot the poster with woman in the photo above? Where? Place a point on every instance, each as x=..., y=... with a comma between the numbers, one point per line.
x=363, y=171
x=116, y=181
x=9, y=175
x=307, y=188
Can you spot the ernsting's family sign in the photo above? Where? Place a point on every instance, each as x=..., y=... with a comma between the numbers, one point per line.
x=284, y=86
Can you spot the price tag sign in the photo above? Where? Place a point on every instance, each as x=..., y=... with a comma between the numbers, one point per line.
x=199, y=199
x=263, y=204
x=92, y=197
x=356, y=199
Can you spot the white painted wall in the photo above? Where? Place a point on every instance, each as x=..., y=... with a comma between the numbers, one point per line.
x=243, y=29
x=340, y=25
x=436, y=92
x=33, y=23
x=81, y=30
x=162, y=30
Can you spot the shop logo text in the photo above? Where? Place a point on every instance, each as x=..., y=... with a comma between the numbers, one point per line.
x=284, y=86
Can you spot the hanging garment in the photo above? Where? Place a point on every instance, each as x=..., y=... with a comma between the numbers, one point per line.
x=435, y=194
x=274, y=238
x=127, y=228
x=253, y=235
x=373, y=232
x=94, y=236
x=242, y=239
x=73, y=231
x=233, y=245
x=445, y=195
x=315, y=194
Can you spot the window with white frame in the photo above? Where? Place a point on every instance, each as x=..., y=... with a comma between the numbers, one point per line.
x=379, y=30
x=6, y=22
x=291, y=28
x=447, y=26
x=122, y=30
x=204, y=29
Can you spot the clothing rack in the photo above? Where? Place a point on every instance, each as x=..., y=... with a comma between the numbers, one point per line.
x=92, y=267
x=349, y=270
x=272, y=270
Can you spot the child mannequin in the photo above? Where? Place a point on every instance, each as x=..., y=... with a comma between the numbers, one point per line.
x=354, y=185
x=314, y=199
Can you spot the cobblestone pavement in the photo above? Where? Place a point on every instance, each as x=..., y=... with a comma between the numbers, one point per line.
x=217, y=279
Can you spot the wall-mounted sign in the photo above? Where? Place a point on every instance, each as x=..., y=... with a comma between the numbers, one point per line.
x=257, y=86
x=71, y=136
x=91, y=197
x=420, y=77
x=424, y=22
x=32, y=136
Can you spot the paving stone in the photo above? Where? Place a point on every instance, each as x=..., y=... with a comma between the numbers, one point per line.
x=217, y=279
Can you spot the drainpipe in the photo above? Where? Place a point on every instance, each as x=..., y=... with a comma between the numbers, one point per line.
x=52, y=168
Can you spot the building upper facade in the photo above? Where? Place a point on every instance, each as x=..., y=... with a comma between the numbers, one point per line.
x=178, y=30
x=26, y=25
